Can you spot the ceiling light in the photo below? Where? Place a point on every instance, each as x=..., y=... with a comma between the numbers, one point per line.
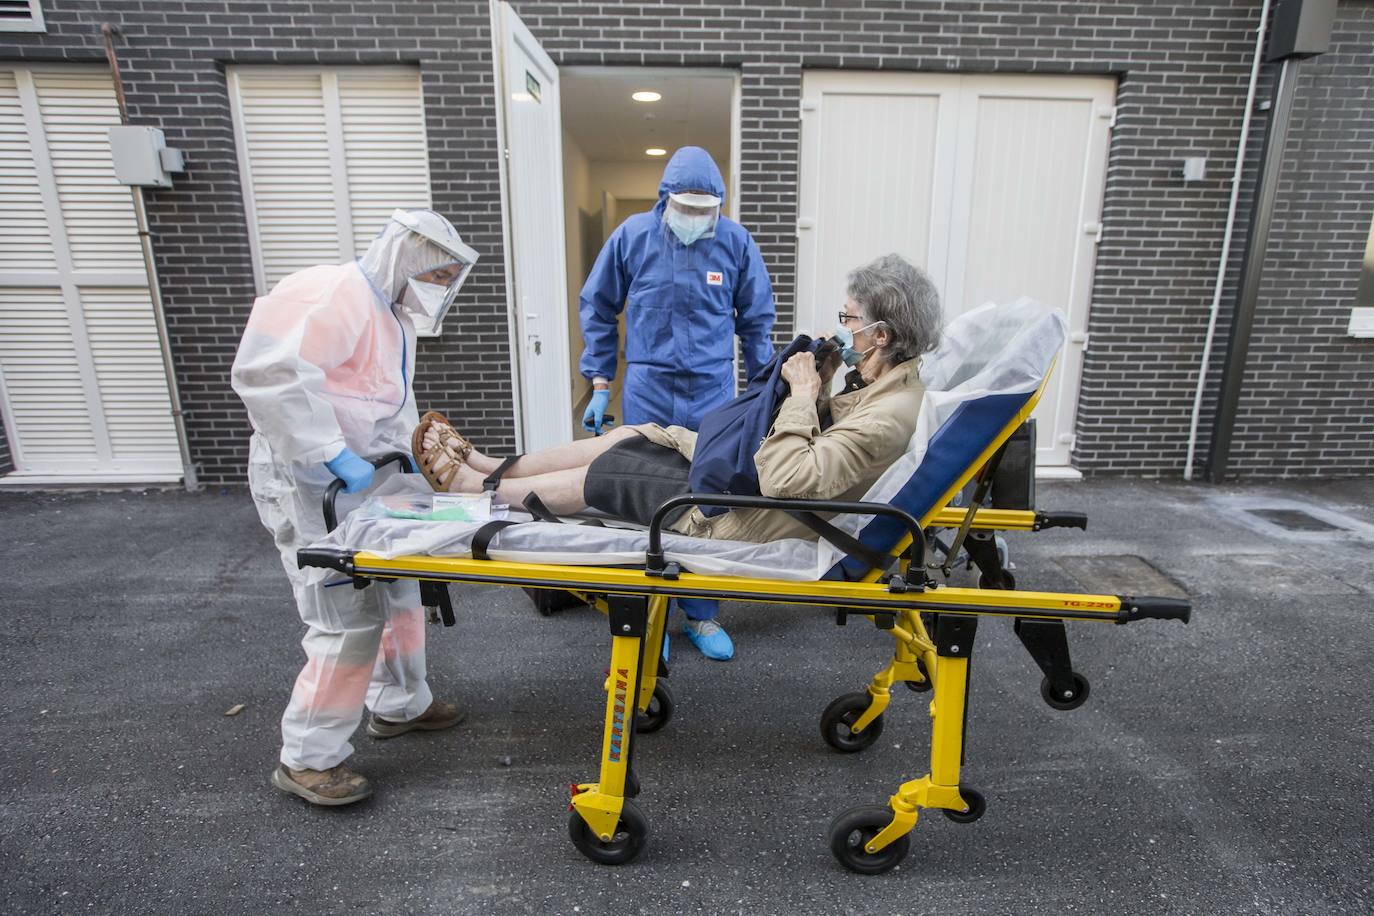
x=655, y=151
x=646, y=95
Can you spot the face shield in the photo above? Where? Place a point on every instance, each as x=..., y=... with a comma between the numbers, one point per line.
x=420, y=261
x=691, y=215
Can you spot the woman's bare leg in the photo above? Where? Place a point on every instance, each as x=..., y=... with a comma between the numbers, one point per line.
x=561, y=490
x=577, y=454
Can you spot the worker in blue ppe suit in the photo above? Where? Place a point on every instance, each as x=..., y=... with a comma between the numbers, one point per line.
x=690, y=281
x=325, y=369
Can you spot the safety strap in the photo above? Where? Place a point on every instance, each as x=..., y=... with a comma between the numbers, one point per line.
x=483, y=536
x=535, y=506
x=843, y=540
x=494, y=478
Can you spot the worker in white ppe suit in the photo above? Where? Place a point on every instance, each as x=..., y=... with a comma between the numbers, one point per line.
x=325, y=369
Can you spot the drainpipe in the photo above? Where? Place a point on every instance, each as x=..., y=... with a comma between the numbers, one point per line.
x=188, y=469
x=1226, y=241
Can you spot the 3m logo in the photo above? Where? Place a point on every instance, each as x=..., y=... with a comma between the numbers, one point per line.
x=714, y=278
x=622, y=684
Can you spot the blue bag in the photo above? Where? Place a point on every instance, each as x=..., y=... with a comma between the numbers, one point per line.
x=723, y=461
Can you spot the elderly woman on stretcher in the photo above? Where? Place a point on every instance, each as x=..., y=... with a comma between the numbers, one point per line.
x=817, y=447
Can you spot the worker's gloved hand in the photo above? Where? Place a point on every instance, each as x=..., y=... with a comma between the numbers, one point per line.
x=352, y=470
x=595, y=417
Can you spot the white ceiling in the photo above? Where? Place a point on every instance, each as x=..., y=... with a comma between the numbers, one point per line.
x=610, y=126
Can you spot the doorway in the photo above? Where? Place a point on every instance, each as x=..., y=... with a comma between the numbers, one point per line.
x=617, y=139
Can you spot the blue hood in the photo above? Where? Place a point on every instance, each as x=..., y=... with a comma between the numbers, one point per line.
x=691, y=168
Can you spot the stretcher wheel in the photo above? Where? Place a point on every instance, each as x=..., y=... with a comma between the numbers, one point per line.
x=920, y=686
x=855, y=827
x=660, y=711
x=977, y=805
x=1005, y=582
x=1077, y=695
x=840, y=715
x=628, y=841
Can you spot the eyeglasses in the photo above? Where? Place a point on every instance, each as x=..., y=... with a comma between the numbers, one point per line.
x=846, y=317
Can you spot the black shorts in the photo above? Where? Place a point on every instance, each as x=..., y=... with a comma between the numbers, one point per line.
x=633, y=478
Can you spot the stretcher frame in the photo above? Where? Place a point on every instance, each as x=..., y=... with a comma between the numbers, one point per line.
x=933, y=627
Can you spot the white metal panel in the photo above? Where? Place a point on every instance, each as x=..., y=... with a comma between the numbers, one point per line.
x=876, y=154
x=24, y=240
x=78, y=107
x=1029, y=178
x=82, y=385
x=386, y=154
x=287, y=156
x=21, y=16
x=46, y=413
x=527, y=89
x=133, y=384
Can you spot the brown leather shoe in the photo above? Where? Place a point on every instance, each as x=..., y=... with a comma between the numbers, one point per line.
x=440, y=715
x=337, y=785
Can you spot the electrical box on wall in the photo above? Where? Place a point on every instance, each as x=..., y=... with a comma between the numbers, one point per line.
x=142, y=157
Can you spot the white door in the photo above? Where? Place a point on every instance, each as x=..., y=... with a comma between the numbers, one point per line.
x=993, y=184
x=83, y=390
x=532, y=190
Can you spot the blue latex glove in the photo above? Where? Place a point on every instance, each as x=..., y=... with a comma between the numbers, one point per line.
x=595, y=417
x=352, y=470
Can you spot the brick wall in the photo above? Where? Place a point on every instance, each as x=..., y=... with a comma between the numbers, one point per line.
x=1182, y=72
x=1307, y=406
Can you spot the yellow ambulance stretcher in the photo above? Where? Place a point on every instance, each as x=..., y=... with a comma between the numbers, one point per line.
x=873, y=561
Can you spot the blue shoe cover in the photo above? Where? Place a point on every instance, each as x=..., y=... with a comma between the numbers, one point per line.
x=710, y=638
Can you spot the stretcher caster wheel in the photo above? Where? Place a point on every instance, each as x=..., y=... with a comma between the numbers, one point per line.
x=977, y=805
x=920, y=686
x=1006, y=582
x=840, y=715
x=854, y=828
x=1072, y=698
x=660, y=711
x=628, y=841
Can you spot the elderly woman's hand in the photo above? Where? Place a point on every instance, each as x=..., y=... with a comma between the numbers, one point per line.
x=800, y=374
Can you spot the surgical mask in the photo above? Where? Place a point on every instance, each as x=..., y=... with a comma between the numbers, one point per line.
x=688, y=228
x=845, y=336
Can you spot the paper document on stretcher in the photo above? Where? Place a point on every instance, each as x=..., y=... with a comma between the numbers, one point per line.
x=439, y=507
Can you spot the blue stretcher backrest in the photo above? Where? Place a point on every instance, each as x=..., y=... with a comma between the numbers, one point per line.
x=1024, y=357
x=955, y=446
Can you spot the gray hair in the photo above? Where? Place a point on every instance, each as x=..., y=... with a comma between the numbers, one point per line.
x=892, y=290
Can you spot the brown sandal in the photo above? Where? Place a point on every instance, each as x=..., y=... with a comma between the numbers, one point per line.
x=450, y=445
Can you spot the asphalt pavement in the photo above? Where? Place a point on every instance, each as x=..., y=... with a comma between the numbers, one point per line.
x=1220, y=767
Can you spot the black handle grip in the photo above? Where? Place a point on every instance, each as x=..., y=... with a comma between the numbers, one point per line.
x=1044, y=520
x=1150, y=608
x=331, y=518
x=653, y=559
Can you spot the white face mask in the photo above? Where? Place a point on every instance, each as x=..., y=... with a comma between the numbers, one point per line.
x=688, y=227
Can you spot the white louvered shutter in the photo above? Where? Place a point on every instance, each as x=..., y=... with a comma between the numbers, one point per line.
x=24, y=240
x=85, y=391
x=326, y=155
x=385, y=154
x=290, y=180
x=21, y=16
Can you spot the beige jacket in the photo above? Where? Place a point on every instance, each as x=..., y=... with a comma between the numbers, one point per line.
x=871, y=428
